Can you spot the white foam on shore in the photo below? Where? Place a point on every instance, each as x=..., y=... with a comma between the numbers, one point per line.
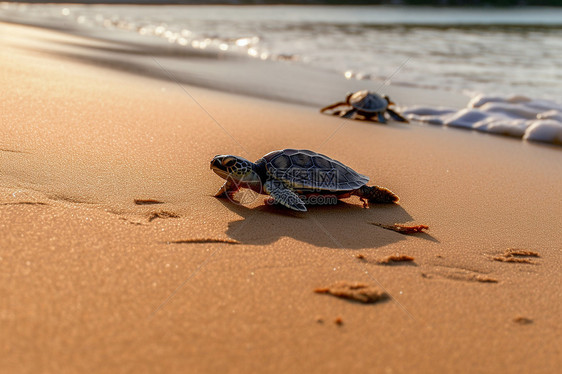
x=517, y=116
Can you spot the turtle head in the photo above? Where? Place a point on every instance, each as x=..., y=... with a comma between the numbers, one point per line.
x=390, y=102
x=236, y=168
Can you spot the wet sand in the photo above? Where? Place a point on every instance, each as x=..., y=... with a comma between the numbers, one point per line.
x=92, y=281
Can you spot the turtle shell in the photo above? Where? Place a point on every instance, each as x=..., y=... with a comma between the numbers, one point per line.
x=308, y=171
x=368, y=102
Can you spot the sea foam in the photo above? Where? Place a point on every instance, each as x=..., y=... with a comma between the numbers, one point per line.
x=517, y=116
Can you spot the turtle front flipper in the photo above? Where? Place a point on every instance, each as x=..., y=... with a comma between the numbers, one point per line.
x=380, y=117
x=229, y=188
x=396, y=116
x=333, y=106
x=283, y=195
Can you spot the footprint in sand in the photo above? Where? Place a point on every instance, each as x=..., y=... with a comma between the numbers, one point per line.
x=12, y=150
x=147, y=202
x=162, y=214
x=522, y=320
x=458, y=274
x=203, y=241
x=354, y=291
x=397, y=260
x=25, y=203
x=403, y=229
x=389, y=260
x=519, y=256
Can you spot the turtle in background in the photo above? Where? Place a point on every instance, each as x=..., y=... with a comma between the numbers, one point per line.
x=369, y=105
x=294, y=177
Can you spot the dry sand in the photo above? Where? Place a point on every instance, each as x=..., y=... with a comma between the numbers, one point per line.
x=91, y=282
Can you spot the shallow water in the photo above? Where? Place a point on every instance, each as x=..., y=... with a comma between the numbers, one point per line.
x=492, y=51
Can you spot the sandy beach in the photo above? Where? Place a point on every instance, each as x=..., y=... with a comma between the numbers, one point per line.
x=94, y=279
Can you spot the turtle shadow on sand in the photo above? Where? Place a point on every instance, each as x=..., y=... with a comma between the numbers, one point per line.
x=345, y=226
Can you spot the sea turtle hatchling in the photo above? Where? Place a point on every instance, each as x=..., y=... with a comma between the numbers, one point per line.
x=369, y=105
x=294, y=177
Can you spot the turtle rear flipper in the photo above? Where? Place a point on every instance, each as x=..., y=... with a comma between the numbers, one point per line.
x=396, y=116
x=284, y=196
x=377, y=195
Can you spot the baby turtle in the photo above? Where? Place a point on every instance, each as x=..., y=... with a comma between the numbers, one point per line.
x=370, y=105
x=294, y=177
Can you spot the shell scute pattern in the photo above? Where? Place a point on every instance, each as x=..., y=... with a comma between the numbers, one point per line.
x=278, y=165
x=367, y=102
x=322, y=163
x=301, y=160
x=312, y=171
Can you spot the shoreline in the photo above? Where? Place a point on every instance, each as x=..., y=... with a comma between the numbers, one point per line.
x=132, y=53
x=515, y=115
x=93, y=282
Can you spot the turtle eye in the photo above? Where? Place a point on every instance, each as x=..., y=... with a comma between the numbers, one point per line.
x=229, y=162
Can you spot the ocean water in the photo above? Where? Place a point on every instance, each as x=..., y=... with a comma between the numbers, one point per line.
x=473, y=51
